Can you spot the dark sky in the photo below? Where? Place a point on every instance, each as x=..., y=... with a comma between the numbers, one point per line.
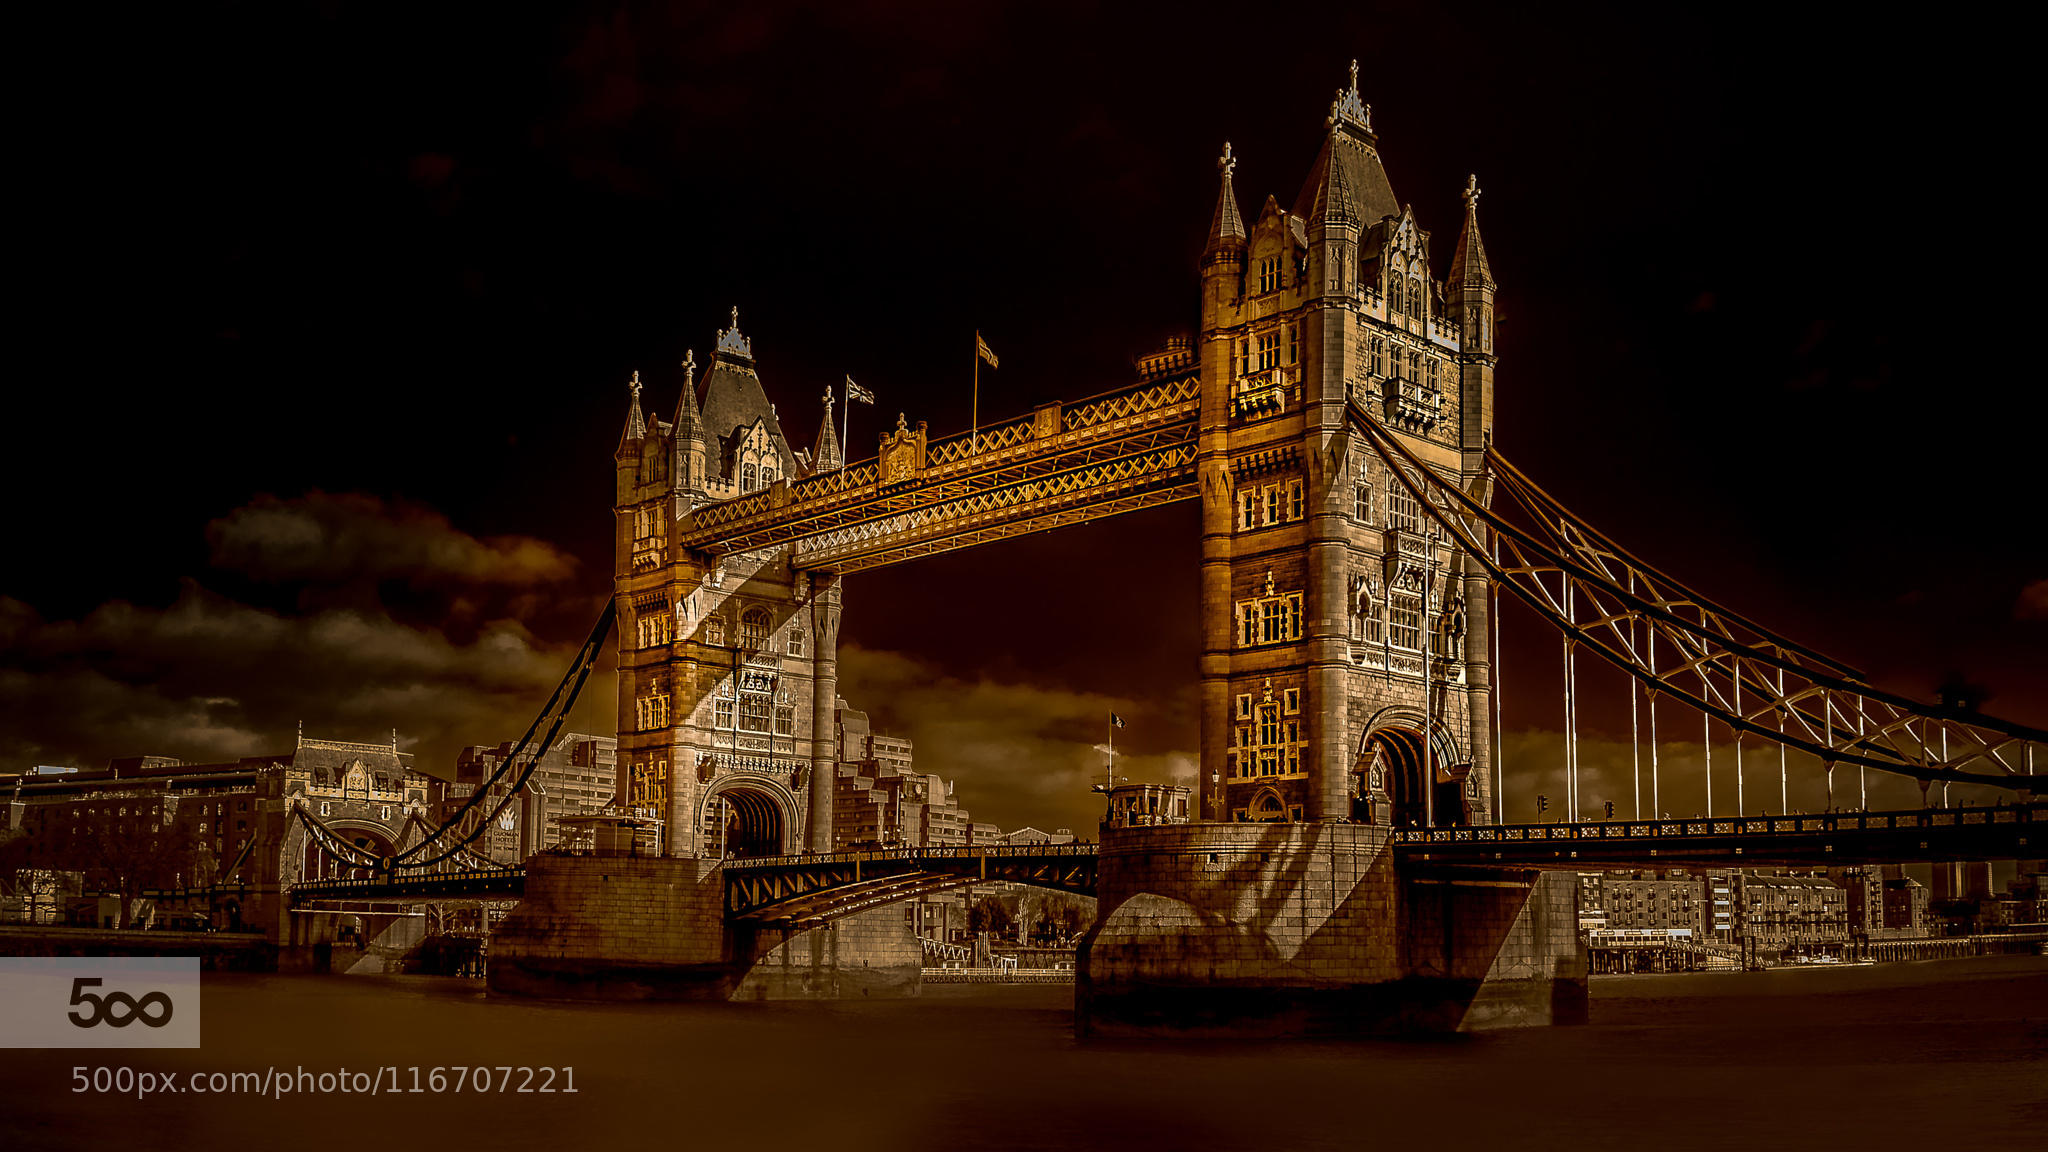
x=328, y=312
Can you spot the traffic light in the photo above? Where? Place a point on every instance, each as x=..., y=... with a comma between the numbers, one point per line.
x=1542, y=804
x=1610, y=809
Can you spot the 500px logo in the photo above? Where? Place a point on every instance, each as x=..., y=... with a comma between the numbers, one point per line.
x=98, y=1001
x=104, y=1008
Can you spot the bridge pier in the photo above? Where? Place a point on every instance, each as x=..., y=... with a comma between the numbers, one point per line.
x=654, y=928
x=1301, y=929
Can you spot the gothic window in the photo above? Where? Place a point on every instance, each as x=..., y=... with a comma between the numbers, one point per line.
x=767, y=474
x=1405, y=625
x=1294, y=343
x=754, y=710
x=721, y=712
x=714, y=629
x=1276, y=505
x=1376, y=356
x=795, y=643
x=1247, y=509
x=1394, y=290
x=1270, y=619
x=1294, y=500
x=1364, y=508
x=785, y=719
x=1402, y=510
x=747, y=477
x=1432, y=373
x=754, y=629
x=1248, y=618
x=1415, y=302
x=1269, y=274
x=1268, y=349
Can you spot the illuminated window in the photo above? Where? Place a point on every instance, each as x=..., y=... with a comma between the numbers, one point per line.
x=1266, y=349
x=1269, y=274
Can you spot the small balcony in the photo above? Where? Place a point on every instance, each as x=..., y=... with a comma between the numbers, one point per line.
x=1411, y=405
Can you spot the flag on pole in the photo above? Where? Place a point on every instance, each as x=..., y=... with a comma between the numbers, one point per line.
x=982, y=350
x=1115, y=721
x=856, y=392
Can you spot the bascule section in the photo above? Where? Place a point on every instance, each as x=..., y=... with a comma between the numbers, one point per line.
x=1345, y=674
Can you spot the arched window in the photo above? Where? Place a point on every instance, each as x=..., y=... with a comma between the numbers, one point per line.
x=1393, y=295
x=1415, y=307
x=767, y=475
x=754, y=629
x=747, y=477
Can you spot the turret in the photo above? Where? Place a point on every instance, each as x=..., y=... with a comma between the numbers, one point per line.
x=631, y=442
x=1224, y=253
x=689, y=471
x=1470, y=293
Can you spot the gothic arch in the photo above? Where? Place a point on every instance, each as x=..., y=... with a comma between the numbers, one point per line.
x=1393, y=738
x=762, y=818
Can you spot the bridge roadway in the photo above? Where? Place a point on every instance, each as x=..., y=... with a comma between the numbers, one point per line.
x=1914, y=836
x=803, y=891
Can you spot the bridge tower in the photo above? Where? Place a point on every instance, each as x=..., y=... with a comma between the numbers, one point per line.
x=1338, y=630
x=1345, y=684
x=727, y=663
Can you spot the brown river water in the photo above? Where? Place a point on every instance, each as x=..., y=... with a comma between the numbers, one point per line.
x=1934, y=1055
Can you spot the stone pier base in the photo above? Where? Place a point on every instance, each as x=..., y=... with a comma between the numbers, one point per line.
x=1308, y=929
x=637, y=928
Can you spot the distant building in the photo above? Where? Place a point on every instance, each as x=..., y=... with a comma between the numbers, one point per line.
x=223, y=835
x=1793, y=914
x=1030, y=835
x=1138, y=805
x=579, y=774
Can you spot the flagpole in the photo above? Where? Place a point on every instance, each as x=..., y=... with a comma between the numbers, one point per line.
x=845, y=425
x=974, y=419
x=1108, y=770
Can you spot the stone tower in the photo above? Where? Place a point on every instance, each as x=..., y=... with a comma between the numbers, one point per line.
x=1328, y=600
x=727, y=663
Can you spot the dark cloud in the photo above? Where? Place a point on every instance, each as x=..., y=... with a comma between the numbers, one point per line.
x=350, y=537
x=2033, y=602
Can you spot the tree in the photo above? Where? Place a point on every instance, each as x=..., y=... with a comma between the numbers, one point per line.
x=122, y=845
x=989, y=915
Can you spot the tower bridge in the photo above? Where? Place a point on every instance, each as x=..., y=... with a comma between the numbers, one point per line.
x=1346, y=868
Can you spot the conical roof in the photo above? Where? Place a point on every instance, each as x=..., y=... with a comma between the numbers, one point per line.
x=825, y=455
x=636, y=422
x=1469, y=262
x=1226, y=227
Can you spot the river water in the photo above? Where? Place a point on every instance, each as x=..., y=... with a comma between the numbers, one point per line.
x=1941, y=1054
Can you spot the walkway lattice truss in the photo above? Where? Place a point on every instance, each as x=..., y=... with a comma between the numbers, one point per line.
x=1115, y=453
x=1679, y=643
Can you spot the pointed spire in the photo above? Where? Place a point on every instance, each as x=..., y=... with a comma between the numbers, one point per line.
x=730, y=342
x=1468, y=264
x=1335, y=200
x=636, y=423
x=1226, y=229
x=825, y=456
x=687, y=422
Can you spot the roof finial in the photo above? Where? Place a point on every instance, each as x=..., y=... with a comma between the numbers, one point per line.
x=689, y=367
x=1348, y=106
x=1471, y=193
x=828, y=398
x=1227, y=161
x=735, y=317
x=634, y=386
x=731, y=341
